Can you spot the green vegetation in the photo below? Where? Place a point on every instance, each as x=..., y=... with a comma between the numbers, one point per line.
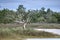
x=24, y=33
x=32, y=16
x=17, y=32
x=29, y=16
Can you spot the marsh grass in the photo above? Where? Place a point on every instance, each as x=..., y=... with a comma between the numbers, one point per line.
x=33, y=25
x=16, y=32
x=44, y=25
x=7, y=32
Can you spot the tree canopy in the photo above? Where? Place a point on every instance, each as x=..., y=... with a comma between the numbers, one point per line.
x=33, y=16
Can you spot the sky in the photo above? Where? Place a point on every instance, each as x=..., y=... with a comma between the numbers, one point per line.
x=31, y=4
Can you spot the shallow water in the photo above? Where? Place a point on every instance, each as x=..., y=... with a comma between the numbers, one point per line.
x=43, y=39
x=55, y=31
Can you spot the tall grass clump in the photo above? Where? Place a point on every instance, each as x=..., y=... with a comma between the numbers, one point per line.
x=6, y=32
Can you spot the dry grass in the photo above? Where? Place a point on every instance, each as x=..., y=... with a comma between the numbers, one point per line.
x=16, y=32
x=44, y=25
x=7, y=32
x=34, y=25
x=11, y=38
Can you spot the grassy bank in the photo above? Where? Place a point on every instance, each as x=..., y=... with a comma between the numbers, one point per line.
x=18, y=33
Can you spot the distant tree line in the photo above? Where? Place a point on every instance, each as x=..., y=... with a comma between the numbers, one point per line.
x=32, y=16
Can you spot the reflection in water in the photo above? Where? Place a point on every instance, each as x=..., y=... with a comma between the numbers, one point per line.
x=55, y=31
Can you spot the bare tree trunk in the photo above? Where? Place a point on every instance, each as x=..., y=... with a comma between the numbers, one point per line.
x=25, y=25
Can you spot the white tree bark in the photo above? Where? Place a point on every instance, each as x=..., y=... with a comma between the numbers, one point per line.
x=25, y=25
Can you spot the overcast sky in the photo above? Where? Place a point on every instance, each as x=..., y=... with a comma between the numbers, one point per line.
x=31, y=4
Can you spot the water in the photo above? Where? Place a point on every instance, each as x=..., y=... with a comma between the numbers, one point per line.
x=43, y=39
x=55, y=31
